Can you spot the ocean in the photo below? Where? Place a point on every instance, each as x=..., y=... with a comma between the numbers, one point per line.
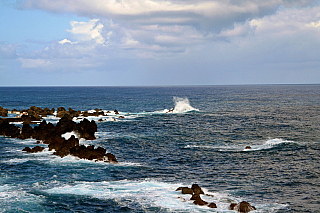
x=202, y=140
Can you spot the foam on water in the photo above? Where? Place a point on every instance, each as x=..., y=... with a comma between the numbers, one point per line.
x=269, y=144
x=182, y=105
x=68, y=135
x=151, y=193
x=13, y=199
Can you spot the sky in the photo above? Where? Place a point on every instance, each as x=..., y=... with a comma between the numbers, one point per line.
x=159, y=42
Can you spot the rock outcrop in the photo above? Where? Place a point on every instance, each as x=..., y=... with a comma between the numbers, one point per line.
x=242, y=207
x=9, y=130
x=34, y=149
x=196, y=191
x=52, y=134
x=3, y=112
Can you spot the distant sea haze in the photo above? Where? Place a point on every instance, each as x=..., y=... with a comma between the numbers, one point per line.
x=256, y=143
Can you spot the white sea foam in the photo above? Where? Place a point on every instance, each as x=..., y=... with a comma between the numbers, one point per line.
x=13, y=199
x=68, y=135
x=151, y=193
x=269, y=144
x=181, y=105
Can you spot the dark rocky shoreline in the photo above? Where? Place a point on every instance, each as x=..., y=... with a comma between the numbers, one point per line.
x=50, y=134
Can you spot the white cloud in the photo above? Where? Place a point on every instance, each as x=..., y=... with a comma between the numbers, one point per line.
x=34, y=63
x=64, y=41
x=207, y=14
x=314, y=24
x=7, y=51
x=184, y=35
x=86, y=31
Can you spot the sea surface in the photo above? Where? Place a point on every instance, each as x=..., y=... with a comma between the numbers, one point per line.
x=201, y=141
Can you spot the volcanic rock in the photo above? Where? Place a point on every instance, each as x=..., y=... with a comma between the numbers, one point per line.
x=62, y=147
x=242, y=207
x=26, y=132
x=196, y=189
x=200, y=202
x=87, y=129
x=34, y=149
x=186, y=190
x=3, y=112
x=7, y=129
x=212, y=205
x=111, y=158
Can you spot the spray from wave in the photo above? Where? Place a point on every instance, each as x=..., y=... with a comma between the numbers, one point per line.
x=181, y=105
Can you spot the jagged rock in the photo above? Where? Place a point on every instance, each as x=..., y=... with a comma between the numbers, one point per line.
x=111, y=158
x=61, y=112
x=3, y=112
x=34, y=149
x=116, y=112
x=186, y=190
x=90, y=153
x=7, y=129
x=26, y=132
x=74, y=113
x=62, y=147
x=242, y=207
x=87, y=129
x=44, y=131
x=195, y=197
x=200, y=202
x=51, y=135
x=232, y=205
x=65, y=124
x=248, y=147
x=29, y=119
x=196, y=189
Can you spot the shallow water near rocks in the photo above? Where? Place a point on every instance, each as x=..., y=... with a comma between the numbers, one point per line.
x=202, y=140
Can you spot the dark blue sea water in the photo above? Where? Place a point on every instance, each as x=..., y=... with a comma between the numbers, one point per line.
x=202, y=141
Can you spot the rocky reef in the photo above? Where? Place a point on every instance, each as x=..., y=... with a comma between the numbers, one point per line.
x=196, y=192
x=50, y=134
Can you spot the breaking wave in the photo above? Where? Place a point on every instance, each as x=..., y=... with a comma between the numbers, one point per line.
x=269, y=144
x=181, y=105
x=151, y=194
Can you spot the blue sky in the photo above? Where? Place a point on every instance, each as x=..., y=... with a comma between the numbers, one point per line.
x=156, y=42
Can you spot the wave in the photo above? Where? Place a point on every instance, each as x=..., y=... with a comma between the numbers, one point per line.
x=181, y=105
x=269, y=144
x=153, y=194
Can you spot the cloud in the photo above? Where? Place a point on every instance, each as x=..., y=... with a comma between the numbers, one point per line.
x=208, y=15
x=229, y=38
x=8, y=51
x=34, y=63
x=86, y=31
